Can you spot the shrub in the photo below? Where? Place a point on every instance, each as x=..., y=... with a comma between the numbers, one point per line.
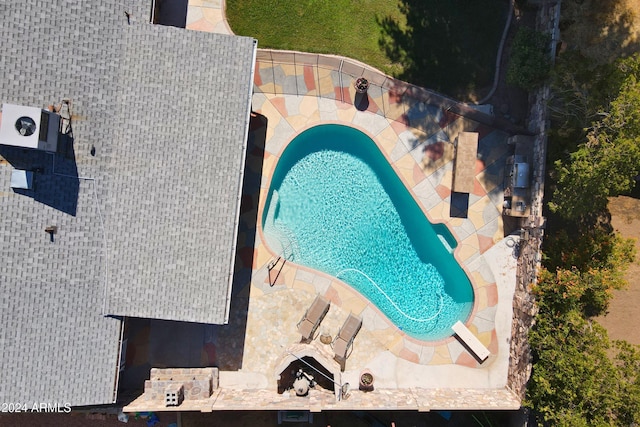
x=530, y=64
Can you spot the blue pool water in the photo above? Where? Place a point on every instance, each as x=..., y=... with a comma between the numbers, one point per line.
x=336, y=205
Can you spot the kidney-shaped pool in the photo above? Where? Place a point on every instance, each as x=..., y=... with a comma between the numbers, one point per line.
x=336, y=205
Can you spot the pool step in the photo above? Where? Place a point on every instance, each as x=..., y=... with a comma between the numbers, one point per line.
x=446, y=244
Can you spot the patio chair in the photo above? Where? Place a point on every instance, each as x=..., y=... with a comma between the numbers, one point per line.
x=343, y=342
x=308, y=325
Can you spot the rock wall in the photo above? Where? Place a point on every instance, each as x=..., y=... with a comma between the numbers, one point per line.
x=524, y=308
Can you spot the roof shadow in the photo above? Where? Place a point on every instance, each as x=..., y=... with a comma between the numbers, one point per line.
x=171, y=13
x=55, y=175
x=162, y=343
x=153, y=343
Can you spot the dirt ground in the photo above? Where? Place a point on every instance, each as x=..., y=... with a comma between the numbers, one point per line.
x=622, y=318
x=602, y=30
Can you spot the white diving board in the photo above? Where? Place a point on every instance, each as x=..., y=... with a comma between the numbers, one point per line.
x=471, y=341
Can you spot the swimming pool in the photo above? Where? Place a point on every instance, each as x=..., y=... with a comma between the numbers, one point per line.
x=336, y=205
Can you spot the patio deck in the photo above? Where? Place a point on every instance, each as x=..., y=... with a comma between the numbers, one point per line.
x=422, y=155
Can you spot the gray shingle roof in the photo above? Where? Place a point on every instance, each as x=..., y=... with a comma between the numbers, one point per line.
x=175, y=174
x=151, y=230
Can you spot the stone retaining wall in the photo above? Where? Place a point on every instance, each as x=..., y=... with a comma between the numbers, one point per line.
x=524, y=308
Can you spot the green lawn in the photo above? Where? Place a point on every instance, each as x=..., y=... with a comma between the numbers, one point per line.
x=446, y=45
x=345, y=27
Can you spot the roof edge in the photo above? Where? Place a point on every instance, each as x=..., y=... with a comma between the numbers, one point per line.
x=236, y=223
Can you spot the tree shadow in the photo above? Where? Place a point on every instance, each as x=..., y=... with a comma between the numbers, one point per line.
x=635, y=193
x=446, y=45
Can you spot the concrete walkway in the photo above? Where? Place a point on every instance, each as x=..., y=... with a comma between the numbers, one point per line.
x=207, y=15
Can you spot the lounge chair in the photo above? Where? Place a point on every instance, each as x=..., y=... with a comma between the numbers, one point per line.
x=308, y=325
x=343, y=342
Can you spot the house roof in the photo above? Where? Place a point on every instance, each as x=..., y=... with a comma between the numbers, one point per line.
x=144, y=192
x=175, y=174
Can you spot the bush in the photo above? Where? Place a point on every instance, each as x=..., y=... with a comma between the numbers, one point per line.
x=529, y=65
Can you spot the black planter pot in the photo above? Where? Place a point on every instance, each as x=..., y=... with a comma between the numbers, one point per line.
x=361, y=84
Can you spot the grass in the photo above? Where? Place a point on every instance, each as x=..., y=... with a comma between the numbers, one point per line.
x=446, y=45
x=345, y=27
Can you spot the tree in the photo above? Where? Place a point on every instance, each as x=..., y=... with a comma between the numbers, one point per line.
x=580, y=90
x=589, y=245
x=589, y=261
x=607, y=162
x=570, y=379
x=627, y=361
x=579, y=377
x=575, y=381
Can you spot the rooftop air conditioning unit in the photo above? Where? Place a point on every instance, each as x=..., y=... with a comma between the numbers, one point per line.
x=29, y=127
